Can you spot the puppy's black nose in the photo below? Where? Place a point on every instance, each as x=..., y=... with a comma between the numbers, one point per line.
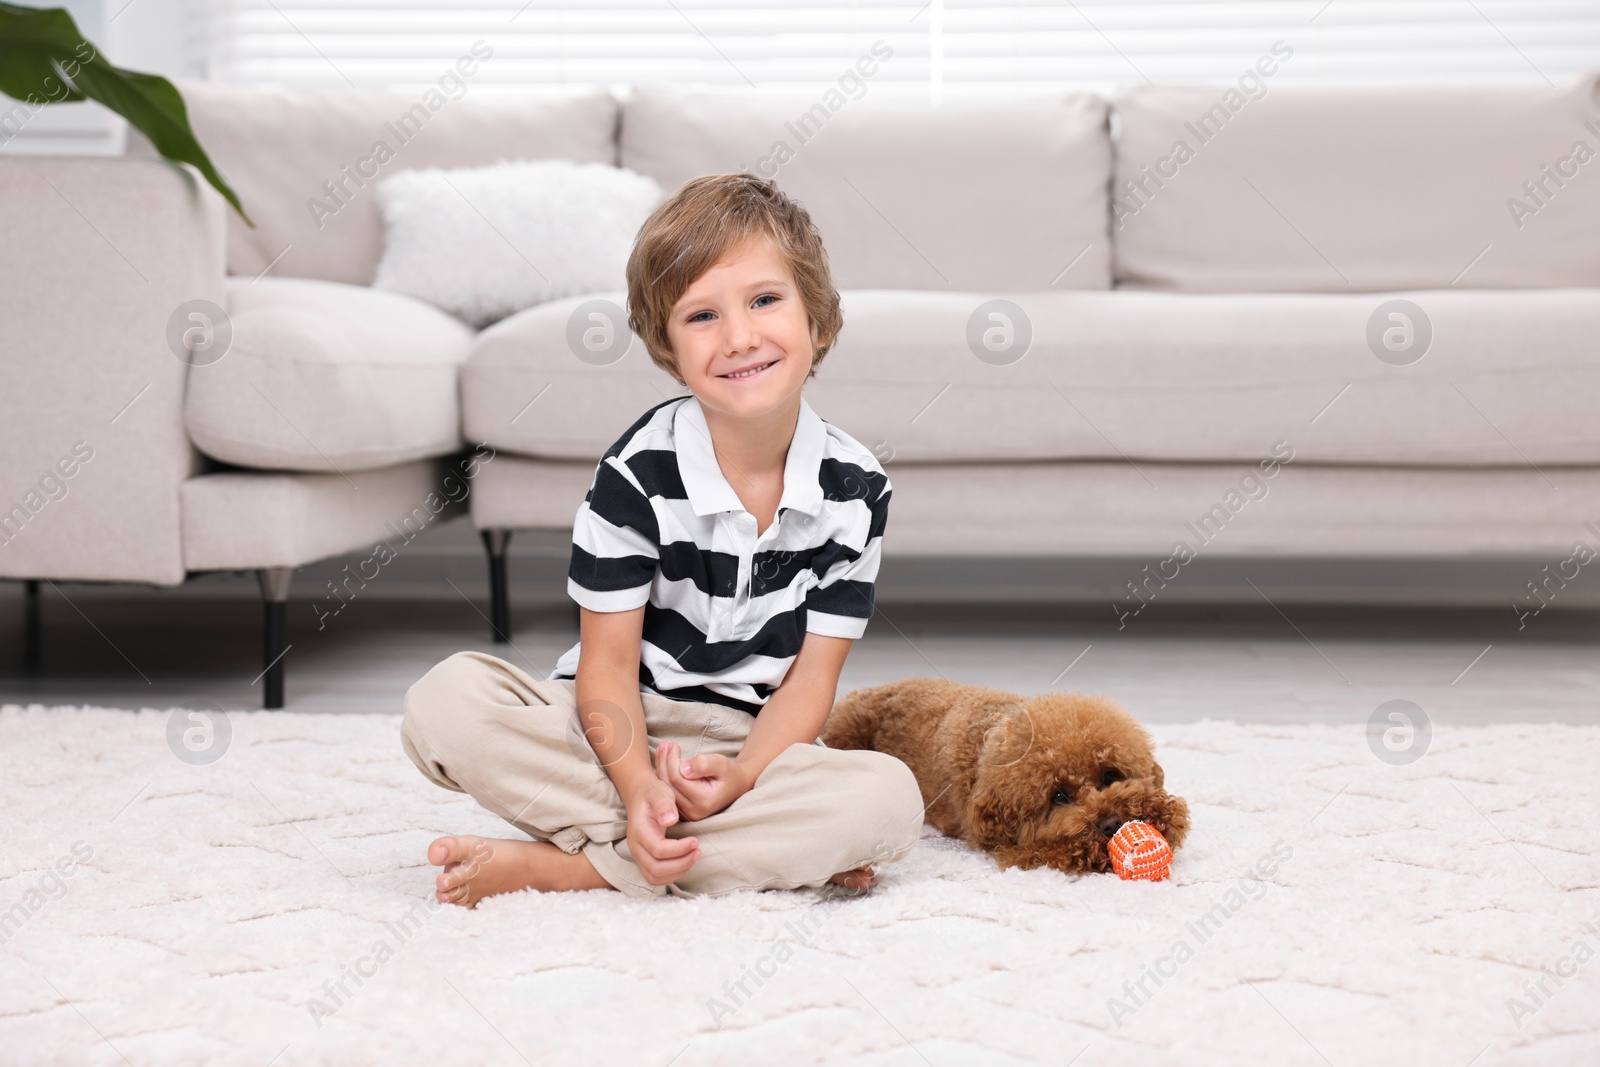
x=1108, y=825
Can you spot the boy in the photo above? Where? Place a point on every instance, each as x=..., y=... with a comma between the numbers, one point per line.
x=723, y=563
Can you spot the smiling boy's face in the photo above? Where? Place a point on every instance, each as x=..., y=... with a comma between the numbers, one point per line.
x=741, y=334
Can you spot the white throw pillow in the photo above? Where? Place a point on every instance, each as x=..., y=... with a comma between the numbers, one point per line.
x=485, y=242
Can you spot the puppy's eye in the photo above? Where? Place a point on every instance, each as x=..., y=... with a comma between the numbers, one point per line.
x=1060, y=796
x=1111, y=776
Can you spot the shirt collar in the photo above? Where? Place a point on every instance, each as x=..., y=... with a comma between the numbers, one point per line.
x=709, y=492
x=801, y=489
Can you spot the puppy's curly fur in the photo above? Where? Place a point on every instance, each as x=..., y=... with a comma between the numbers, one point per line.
x=1036, y=781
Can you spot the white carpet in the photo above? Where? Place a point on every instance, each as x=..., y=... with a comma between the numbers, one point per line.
x=211, y=911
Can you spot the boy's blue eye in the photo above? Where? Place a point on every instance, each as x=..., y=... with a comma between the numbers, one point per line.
x=698, y=316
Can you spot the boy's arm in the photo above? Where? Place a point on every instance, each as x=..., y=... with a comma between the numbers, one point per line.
x=794, y=714
x=798, y=709
x=609, y=710
x=612, y=717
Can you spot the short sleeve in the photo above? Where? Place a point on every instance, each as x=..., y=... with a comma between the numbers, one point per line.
x=840, y=604
x=616, y=542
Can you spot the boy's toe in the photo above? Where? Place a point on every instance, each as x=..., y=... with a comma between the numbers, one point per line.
x=439, y=851
x=447, y=851
x=855, y=878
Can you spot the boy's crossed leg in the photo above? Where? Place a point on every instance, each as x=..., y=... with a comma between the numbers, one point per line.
x=478, y=725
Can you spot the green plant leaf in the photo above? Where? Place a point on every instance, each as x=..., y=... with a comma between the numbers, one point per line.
x=45, y=60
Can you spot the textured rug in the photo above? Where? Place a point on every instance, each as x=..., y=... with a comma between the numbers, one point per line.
x=252, y=889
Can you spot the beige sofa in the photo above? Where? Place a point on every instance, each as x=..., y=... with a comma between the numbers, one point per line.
x=330, y=424
x=1207, y=372
x=1196, y=351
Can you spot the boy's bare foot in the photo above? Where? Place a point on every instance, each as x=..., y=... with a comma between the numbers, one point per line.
x=478, y=867
x=858, y=878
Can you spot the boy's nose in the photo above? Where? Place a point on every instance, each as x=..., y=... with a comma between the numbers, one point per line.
x=740, y=338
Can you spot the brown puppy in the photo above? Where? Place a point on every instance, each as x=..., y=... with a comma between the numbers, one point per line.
x=1037, y=781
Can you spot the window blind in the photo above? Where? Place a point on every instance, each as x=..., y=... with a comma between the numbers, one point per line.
x=937, y=46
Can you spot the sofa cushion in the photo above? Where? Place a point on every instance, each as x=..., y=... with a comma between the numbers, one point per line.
x=530, y=385
x=235, y=520
x=974, y=195
x=304, y=161
x=1302, y=514
x=1358, y=189
x=1507, y=378
x=321, y=376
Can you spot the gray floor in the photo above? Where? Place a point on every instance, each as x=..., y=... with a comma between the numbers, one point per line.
x=130, y=646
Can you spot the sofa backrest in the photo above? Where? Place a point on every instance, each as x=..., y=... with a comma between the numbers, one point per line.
x=1258, y=189
x=1004, y=195
x=1248, y=188
x=304, y=162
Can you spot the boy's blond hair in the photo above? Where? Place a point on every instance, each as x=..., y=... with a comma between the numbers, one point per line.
x=692, y=229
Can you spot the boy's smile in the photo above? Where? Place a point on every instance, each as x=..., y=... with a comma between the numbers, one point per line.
x=747, y=372
x=742, y=337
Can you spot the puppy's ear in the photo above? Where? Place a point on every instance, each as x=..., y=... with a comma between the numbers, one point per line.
x=1159, y=775
x=994, y=818
x=1008, y=739
x=1001, y=801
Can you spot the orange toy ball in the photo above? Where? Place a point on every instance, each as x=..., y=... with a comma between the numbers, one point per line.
x=1138, y=851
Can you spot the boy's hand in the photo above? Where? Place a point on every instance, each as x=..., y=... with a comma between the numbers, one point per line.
x=704, y=785
x=652, y=807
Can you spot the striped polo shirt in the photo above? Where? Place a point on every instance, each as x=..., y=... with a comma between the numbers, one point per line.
x=725, y=609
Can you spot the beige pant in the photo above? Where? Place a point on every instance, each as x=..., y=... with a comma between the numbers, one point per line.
x=479, y=725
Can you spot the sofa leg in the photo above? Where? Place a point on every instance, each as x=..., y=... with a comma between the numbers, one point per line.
x=275, y=600
x=494, y=542
x=32, y=627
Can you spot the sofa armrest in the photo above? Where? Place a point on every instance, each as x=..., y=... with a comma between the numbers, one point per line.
x=99, y=254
